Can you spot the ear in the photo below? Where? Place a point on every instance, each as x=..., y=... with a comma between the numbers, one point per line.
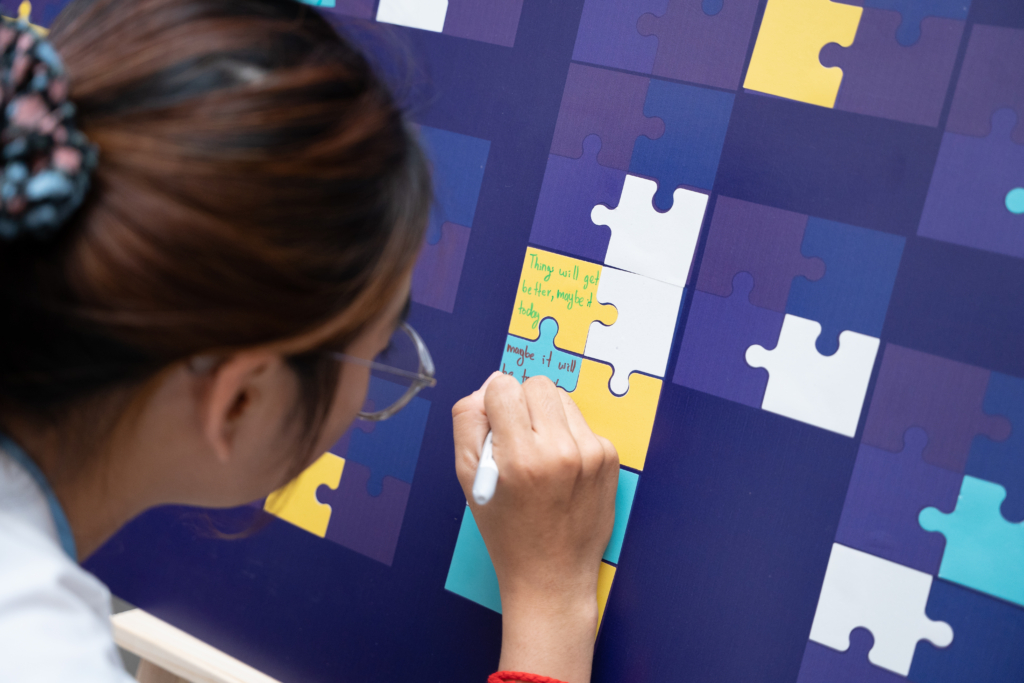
x=238, y=390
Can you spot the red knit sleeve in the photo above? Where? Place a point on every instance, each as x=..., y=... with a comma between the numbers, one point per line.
x=519, y=677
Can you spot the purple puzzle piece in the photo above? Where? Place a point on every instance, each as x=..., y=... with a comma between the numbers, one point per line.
x=361, y=9
x=571, y=190
x=719, y=330
x=608, y=35
x=759, y=240
x=824, y=665
x=942, y=397
x=609, y=104
x=435, y=280
x=698, y=48
x=367, y=524
x=491, y=21
x=991, y=78
x=883, y=78
x=966, y=202
x=887, y=492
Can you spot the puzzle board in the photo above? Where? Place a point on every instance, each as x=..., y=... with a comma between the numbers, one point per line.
x=775, y=251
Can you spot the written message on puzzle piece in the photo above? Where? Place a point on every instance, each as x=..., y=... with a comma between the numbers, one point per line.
x=523, y=359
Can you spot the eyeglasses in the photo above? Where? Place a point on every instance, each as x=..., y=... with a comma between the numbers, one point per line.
x=397, y=374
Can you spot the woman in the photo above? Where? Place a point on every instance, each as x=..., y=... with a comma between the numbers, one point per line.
x=195, y=327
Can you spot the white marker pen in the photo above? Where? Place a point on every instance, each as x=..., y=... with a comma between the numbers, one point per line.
x=486, y=478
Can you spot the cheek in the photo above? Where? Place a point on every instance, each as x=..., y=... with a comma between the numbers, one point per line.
x=349, y=398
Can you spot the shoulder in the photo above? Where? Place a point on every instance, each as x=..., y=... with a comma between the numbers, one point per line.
x=54, y=615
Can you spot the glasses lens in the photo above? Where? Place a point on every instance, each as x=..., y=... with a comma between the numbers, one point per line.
x=388, y=387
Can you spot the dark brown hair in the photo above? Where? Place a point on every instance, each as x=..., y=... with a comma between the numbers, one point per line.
x=256, y=184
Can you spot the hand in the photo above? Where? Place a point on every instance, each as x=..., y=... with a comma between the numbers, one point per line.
x=549, y=521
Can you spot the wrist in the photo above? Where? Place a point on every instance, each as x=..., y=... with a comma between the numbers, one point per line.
x=549, y=634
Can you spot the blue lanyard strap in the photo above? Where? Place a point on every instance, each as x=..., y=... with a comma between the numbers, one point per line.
x=60, y=520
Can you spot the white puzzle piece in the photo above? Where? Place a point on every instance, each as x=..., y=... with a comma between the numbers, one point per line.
x=640, y=339
x=428, y=15
x=648, y=242
x=824, y=391
x=888, y=599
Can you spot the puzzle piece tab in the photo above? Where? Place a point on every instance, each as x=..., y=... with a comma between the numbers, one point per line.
x=991, y=78
x=563, y=288
x=824, y=391
x=762, y=241
x=423, y=14
x=523, y=358
x=297, y=502
x=983, y=550
x=609, y=104
x=367, y=524
x=785, y=60
x=435, y=279
x=641, y=338
x=1003, y=462
x=648, y=242
x=886, y=598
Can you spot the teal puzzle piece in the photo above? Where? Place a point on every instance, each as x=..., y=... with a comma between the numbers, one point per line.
x=471, y=573
x=524, y=358
x=983, y=550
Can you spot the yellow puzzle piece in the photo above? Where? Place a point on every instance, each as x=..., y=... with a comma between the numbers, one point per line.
x=785, y=60
x=296, y=501
x=563, y=288
x=25, y=14
x=605, y=577
x=626, y=421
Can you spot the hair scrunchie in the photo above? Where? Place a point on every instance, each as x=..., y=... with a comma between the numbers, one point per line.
x=47, y=161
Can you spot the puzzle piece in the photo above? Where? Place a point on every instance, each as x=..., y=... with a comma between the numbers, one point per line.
x=394, y=447
x=458, y=162
x=608, y=34
x=966, y=202
x=1003, y=463
x=883, y=78
x=706, y=45
x=40, y=13
x=563, y=288
x=650, y=243
x=941, y=396
x=991, y=78
x=609, y=104
x=718, y=333
x=297, y=503
x=1015, y=200
x=785, y=59
x=696, y=120
x=886, y=598
x=860, y=271
x=318, y=3
x=987, y=644
x=983, y=550
x=492, y=21
x=824, y=391
x=435, y=279
x=423, y=14
x=605, y=579
x=624, y=495
x=914, y=12
x=571, y=189
x=369, y=525
x=523, y=359
x=361, y=9
x=824, y=665
x=887, y=491
x=641, y=338
x=627, y=421
x=762, y=241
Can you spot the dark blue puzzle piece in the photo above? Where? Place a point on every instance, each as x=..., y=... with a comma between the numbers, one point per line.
x=696, y=120
x=913, y=11
x=458, y=163
x=1003, y=462
x=860, y=271
x=987, y=637
x=394, y=446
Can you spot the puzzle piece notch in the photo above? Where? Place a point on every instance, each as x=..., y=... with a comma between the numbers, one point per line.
x=648, y=242
x=427, y=15
x=1003, y=462
x=718, y=332
x=297, y=501
x=435, y=279
x=609, y=104
x=785, y=59
x=523, y=359
x=640, y=340
x=991, y=78
x=824, y=665
x=761, y=240
x=608, y=34
x=888, y=599
x=913, y=12
x=563, y=288
x=983, y=550
x=824, y=391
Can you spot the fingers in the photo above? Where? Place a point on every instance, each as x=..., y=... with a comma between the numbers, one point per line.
x=591, y=449
x=469, y=419
x=508, y=414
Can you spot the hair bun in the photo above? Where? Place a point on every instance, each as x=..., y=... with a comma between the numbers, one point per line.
x=47, y=161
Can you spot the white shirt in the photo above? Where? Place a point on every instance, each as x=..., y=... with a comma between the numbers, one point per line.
x=54, y=615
